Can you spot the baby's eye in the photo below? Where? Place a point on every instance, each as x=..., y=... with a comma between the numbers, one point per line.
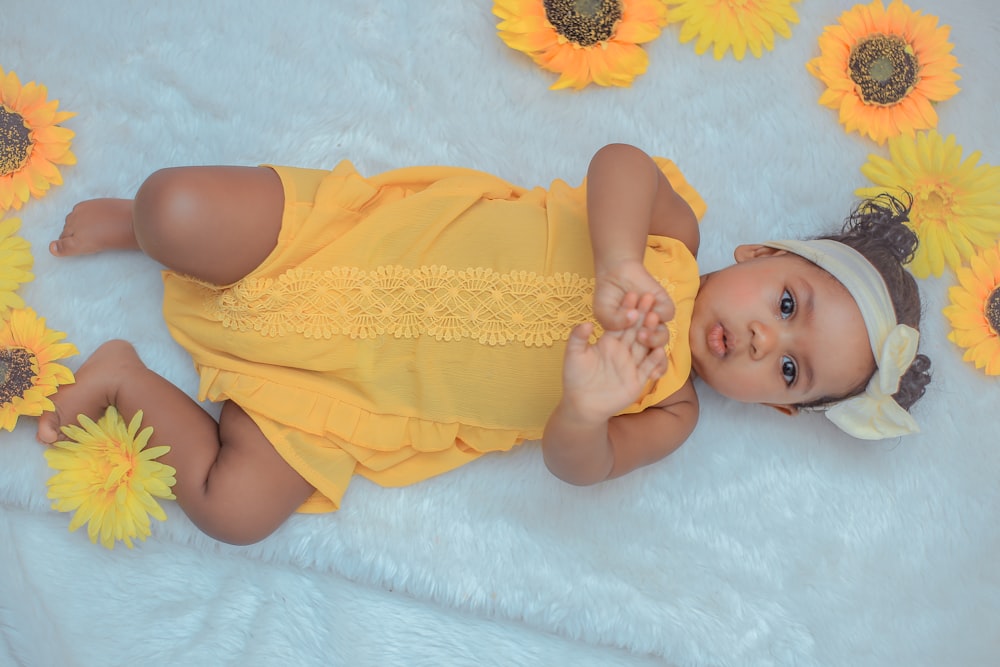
x=787, y=305
x=788, y=370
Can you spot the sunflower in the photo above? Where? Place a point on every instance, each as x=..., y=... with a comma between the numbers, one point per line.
x=31, y=141
x=583, y=41
x=974, y=310
x=736, y=24
x=108, y=477
x=28, y=374
x=15, y=265
x=956, y=203
x=883, y=68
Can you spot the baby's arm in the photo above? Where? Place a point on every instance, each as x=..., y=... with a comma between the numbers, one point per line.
x=584, y=442
x=629, y=198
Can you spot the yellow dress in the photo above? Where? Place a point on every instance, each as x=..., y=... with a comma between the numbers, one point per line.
x=409, y=322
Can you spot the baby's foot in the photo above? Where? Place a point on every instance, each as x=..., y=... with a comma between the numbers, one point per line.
x=96, y=387
x=95, y=225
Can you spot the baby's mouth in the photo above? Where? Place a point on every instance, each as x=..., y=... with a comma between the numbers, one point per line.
x=716, y=340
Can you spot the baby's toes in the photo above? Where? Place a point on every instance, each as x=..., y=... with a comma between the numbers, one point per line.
x=48, y=428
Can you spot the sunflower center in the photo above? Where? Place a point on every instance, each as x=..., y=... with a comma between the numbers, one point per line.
x=17, y=373
x=937, y=201
x=15, y=141
x=584, y=22
x=884, y=69
x=992, y=310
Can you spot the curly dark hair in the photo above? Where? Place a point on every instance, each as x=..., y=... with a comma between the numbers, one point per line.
x=877, y=229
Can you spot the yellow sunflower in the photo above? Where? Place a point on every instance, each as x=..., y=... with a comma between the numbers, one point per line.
x=15, y=265
x=956, y=203
x=28, y=372
x=109, y=478
x=583, y=41
x=974, y=310
x=736, y=24
x=31, y=141
x=883, y=68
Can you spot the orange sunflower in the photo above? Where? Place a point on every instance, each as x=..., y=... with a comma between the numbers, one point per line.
x=884, y=67
x=974, y=311
x=584, y=41
x=28, y=372
x=31, y=141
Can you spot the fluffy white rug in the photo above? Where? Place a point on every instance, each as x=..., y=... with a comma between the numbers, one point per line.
x=763, y=541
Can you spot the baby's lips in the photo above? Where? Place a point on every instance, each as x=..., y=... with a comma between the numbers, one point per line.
x=716, y=340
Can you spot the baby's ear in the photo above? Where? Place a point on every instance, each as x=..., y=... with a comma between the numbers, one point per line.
x=753, y=251
x=790, y=410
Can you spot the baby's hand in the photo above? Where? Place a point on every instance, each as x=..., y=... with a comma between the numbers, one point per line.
x=620, y=290
x=604, y=378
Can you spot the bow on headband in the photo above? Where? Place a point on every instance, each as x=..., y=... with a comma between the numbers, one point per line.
x=875, y=414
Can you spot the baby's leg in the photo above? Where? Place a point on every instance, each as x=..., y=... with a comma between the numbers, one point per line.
x=230, y=481
x=214, y=223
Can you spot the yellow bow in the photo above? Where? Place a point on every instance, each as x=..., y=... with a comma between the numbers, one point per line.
x=875, y=414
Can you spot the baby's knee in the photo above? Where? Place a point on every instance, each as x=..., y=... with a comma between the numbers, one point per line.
x=235, y=516
x=164, y=208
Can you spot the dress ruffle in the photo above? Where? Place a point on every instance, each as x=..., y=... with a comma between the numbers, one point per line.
x=378, y=446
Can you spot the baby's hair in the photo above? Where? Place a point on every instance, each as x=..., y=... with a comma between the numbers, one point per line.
x=877, y=229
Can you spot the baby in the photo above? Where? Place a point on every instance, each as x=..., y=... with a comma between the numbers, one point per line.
x=400, y=325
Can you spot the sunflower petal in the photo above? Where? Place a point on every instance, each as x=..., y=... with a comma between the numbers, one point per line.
x=734, y=27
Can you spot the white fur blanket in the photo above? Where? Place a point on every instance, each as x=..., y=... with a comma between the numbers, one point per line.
x=763, y=541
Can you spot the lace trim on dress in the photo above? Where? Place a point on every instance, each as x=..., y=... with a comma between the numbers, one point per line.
x=447, y=304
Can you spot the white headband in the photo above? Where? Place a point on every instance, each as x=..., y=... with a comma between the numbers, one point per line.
x=875, y=414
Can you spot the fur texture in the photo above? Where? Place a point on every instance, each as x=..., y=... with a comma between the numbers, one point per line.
x=763, y=541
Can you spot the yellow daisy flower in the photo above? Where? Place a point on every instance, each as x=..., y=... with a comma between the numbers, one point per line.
x=974, y=310
x=109, y=479
x=31, y=141
x=15, y=265
x=735, y=24
x=584, y=41
x=28, y=374
x=883, y=68
x=956, y=203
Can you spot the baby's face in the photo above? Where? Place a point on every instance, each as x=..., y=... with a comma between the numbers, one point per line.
x=776, y=329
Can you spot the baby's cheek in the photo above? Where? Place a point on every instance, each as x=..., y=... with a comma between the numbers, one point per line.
x=744, y=290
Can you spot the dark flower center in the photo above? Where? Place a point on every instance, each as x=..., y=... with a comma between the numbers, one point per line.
x=884, y=69
x=992, y=310
x=17, y=373
x=15, y=141
x=584, y=22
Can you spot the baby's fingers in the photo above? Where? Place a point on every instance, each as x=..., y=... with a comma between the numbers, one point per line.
x=654, y=336
x=651, y=331
x=639, y=320
x=615, y=308
x=654, y=365
x=663, y=306
x=579, y=338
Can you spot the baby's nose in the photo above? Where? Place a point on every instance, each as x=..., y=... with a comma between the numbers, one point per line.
x=762, y=339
